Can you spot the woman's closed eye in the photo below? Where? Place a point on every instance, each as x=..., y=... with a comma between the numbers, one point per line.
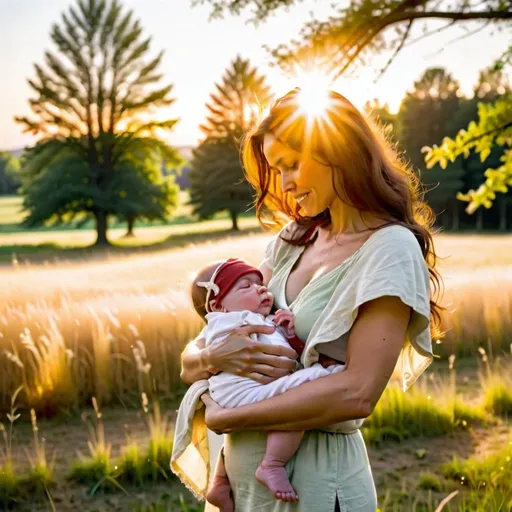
x=289, y=168
x=286, y=168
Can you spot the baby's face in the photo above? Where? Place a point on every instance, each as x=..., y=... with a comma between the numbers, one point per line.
x=248, y=293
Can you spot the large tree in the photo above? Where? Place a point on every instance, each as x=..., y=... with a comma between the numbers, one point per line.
x=95, y=101
x=216, y=178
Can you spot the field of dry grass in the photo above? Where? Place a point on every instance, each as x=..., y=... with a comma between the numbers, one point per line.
x=73, y=330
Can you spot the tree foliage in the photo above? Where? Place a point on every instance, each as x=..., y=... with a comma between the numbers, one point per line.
x=9, y=173
x=425, y=111
x=59, y=186
x=494, y=127
x=216, y=178
x=355, y=30
x=236, y=105
x=96, y=101
x=363, y=28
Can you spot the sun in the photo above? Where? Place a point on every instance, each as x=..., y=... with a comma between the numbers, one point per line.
x=313, y=97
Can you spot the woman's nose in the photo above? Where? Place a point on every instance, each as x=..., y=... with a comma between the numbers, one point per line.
x=287, y=182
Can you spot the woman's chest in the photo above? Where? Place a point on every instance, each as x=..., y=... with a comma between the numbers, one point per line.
x=311, y=265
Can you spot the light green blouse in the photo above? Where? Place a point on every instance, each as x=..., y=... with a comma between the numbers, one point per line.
x=330, y=464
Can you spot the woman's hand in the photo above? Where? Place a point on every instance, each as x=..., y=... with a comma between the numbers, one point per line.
x=240, y=355
x=214, y=414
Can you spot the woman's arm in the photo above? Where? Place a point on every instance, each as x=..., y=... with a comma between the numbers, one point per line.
x=373, y=348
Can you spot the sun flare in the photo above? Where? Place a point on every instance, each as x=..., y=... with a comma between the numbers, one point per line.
x=314, y=93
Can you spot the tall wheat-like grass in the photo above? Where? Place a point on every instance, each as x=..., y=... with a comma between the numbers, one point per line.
x=478, y=312
x=67, y=332
x=78, y=351
x=40, y=477
x=9, y=480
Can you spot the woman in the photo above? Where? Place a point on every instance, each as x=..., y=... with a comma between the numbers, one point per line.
x=353, y=265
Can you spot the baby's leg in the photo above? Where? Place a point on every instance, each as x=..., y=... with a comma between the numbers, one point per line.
x=219, y=494
x=271, y=472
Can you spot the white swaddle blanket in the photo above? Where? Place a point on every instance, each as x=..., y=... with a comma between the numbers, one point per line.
x=191, y=453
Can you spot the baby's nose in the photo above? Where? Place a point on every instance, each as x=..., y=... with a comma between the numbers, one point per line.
x=262, y=289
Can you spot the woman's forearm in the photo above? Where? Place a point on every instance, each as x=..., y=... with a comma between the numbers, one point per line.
x=319, y=403
x=194, y=362
x=374, y=345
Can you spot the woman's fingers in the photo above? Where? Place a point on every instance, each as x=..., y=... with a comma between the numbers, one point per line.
x=256, y=329
x=274, y=372
x=205, y=397
x=273, y=361
x=279, y=350
x=213, y=413
x=262, y=379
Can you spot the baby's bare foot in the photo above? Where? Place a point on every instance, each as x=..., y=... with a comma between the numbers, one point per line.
x=275, y=478
x=220, y=494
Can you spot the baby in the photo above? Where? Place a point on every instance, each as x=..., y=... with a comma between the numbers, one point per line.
x=228, y=295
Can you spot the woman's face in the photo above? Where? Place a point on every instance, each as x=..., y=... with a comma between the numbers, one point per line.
x=307, y=179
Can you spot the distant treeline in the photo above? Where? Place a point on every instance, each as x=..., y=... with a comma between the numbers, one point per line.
x=434, y=108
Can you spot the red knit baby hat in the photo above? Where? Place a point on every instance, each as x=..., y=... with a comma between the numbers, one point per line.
x=229, y=273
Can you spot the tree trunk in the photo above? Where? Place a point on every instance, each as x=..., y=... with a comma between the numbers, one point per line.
x=479, y=219
x=131, y=222
x=455, y=217
x=503, y=214
x=234, y=220
x=101, y=228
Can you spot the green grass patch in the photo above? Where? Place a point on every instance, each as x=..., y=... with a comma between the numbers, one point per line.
x=456, y=501
x=11, y=218
x=53, y=247
x=9, y=485
x=465, y=414
x=497, y=397
x=421, y=412
x=430, y=481
x=490, y=473
x=400, y=416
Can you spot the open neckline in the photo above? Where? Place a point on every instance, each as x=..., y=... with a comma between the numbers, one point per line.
x=316, y=279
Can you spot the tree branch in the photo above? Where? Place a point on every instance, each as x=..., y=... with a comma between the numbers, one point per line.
x=456, y=16
x=498, y=129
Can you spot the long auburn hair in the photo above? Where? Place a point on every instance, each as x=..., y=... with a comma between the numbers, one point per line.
x=367, y=168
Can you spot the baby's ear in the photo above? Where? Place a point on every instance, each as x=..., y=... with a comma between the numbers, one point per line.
x=213, y=305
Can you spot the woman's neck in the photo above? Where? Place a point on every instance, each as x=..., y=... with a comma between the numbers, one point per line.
x=347, y=220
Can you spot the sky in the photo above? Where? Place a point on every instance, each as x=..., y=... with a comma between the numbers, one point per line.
x=198, y=51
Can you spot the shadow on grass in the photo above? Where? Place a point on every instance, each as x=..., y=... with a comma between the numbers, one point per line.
x=52, y=253
x=10, y=228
